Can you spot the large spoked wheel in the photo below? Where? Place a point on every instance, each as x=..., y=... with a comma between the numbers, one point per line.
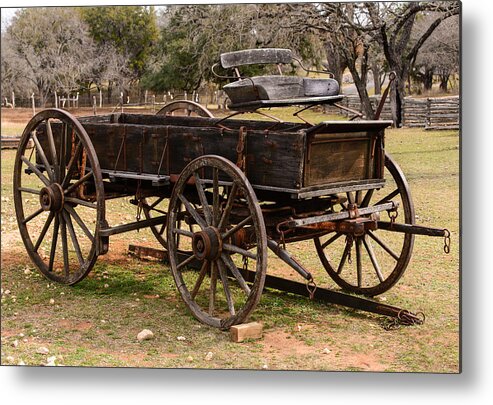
x=185, y=107
x=372, y=263
x=59, y=196
x=214, y=212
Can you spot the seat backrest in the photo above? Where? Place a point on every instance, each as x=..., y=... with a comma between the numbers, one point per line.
x=264, y=56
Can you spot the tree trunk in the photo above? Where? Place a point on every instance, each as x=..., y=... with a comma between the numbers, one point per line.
x=335, y=63
x=376, y=78
x=444, y=82
x=110, y=91
x=366, y=105
x=428, y=79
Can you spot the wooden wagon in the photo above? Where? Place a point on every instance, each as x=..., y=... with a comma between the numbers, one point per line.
x=218, y=194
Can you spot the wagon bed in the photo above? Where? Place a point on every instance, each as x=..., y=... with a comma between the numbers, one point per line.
x=297, y=159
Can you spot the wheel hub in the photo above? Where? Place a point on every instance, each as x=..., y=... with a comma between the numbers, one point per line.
x=207, y=244
x=51, y=198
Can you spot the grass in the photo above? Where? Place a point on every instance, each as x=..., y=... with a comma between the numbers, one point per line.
x=95, y=322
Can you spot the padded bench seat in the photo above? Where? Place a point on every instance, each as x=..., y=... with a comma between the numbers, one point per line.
x=280, y=91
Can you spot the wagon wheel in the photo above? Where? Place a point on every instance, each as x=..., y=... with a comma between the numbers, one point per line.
x=372, y=263
x=59, y=196
x=225, y=230
x=188, y=108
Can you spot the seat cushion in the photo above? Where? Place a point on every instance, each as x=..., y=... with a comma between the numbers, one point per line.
x=320, y=87
x=264, y=88
x=283, y=89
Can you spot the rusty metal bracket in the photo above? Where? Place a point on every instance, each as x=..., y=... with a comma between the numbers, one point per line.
x=240, y=149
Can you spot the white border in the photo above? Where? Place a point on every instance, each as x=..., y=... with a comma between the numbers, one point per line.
x=473, y=386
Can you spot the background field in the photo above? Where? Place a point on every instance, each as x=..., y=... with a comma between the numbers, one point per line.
x=95, y=323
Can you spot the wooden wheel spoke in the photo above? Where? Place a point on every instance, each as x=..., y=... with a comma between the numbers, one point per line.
x=43, y=231
x=36, y=171
x=212, y=291
x=203, y=199
x=162, y=229
x=373, y=259
x=29, y=190
x=32, y=216
x=227, y=292
x=350, y=197
x=183, y=232
x=359, y=269
x=51, y=143
x=215, y=198
x=42, y=155
x=358, y=197
x=229, y=205
x=345, y=254
x=54, y=243
x=367, y=198
x=188, y=260
x=71, y=165
x=388, y=197
x=203, y=271
x=196, y=216
x=158, y=201
x=236, y=249
x=383, y=245
x=66, y=264
x=63, y=151
x=331, y=240
x=234, y=270
x=73, y=186
x=236, y=228
x=73, y=236
x=79, y=221
x=78, y=201
x=159, y=211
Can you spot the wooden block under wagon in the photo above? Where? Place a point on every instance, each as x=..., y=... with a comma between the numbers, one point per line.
x=252, y=330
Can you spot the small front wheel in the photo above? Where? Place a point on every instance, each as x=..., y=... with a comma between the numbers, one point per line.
x=214, y=213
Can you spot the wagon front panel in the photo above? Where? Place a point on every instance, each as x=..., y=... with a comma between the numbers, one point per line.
x=344, y=154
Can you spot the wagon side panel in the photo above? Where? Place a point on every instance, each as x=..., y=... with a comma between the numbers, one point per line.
x=275, y=159
x=342, y=157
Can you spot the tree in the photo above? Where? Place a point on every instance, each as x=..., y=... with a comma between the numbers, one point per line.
x=440, y=53
x=395, y=22
x=361, y=29
x=50, y=48
x=131, y=30
x=13, y=78
x=193, y=37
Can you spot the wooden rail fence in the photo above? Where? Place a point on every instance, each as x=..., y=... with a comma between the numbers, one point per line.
x=428, y=113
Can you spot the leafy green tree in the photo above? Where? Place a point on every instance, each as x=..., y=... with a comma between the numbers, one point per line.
x=193, y=37
x=131, y=30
